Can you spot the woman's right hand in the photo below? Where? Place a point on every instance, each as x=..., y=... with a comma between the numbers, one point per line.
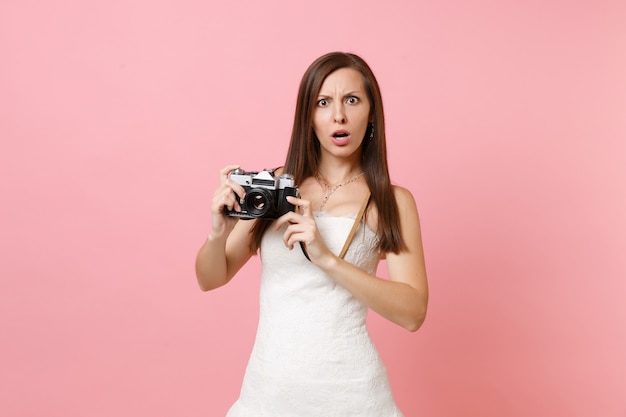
x=229, y=244
x=225, y=197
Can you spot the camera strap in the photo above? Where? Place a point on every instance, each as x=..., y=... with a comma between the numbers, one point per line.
x=355, y=226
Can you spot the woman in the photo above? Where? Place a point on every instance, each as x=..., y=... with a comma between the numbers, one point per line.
x=313, y=355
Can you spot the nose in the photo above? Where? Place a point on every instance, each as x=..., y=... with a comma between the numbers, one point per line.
x=339, y=114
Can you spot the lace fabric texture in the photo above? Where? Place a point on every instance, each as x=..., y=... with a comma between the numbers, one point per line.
x=313, y=355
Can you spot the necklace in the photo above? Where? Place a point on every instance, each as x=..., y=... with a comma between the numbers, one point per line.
x=330, y=189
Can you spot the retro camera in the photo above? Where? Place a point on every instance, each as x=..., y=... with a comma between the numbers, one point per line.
x=265, y=194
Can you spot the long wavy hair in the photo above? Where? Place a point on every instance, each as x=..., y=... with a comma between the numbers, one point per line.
x=303, y=155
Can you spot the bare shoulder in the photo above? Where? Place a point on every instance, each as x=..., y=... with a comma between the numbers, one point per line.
x=408, y=265
x=404, y=199
x=409, y=218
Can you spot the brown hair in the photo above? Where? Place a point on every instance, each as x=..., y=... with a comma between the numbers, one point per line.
x=303, y=155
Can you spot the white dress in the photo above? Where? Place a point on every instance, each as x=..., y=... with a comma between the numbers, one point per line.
x=313, y=355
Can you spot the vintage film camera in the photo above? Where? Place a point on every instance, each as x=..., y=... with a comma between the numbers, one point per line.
x=265, y=194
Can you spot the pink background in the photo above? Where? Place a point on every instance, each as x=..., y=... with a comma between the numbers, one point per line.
x=507, y=120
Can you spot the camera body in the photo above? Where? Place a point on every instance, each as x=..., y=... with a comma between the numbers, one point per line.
x=265, y=194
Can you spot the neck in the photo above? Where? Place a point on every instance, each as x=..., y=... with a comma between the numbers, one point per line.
x=334, y=173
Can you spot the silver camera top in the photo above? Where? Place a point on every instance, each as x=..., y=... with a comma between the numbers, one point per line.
x=263, y=179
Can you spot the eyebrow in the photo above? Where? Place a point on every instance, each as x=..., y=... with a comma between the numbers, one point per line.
x=351, y=93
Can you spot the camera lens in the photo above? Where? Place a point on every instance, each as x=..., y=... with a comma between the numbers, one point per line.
x=259, y=201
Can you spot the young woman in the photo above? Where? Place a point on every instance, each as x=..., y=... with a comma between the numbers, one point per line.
x=313, y=355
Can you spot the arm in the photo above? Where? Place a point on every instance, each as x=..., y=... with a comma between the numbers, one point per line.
x=221, y=257
x=228, y=247
x=403, y=299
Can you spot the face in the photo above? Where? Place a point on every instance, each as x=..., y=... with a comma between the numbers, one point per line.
x=341, y=113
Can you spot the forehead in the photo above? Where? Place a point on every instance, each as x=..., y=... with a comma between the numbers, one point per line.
x=343, y=80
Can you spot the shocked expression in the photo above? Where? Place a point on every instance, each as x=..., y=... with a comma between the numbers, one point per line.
x=341, y=113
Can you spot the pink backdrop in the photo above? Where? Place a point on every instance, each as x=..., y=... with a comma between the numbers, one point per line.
x=507, y=120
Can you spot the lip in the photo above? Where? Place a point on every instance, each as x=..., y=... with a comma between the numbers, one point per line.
x=340, y=141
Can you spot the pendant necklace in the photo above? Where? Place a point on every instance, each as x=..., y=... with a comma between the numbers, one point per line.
x=331, y=189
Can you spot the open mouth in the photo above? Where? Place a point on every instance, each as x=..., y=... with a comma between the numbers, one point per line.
x=340, y=135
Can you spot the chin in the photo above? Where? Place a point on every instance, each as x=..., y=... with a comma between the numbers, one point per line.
x=346, y=151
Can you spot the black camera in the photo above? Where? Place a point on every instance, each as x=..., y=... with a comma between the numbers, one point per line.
x=266, y=195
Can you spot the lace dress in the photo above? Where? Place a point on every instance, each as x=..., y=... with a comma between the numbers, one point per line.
x=313, y=355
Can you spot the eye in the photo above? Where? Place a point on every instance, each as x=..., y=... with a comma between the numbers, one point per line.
x=322, y=102
x=352, y=100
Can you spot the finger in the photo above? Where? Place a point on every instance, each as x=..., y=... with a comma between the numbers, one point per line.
x=303, y=205
x=225, y=172
x=237, y=188
x=232, y=203
x=293, y=236
x=287, y=218
x=304, y=231
x=225, y=198
x=303, y=236
x=225, y=179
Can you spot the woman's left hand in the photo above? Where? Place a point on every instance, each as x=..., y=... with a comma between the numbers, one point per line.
x=301, y=227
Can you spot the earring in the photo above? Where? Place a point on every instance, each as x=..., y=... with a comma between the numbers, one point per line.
x=371, y=127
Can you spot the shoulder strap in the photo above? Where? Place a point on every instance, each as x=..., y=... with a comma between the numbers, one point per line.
x=355, y=226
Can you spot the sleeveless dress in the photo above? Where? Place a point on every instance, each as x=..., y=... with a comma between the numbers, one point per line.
x=313, y=356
